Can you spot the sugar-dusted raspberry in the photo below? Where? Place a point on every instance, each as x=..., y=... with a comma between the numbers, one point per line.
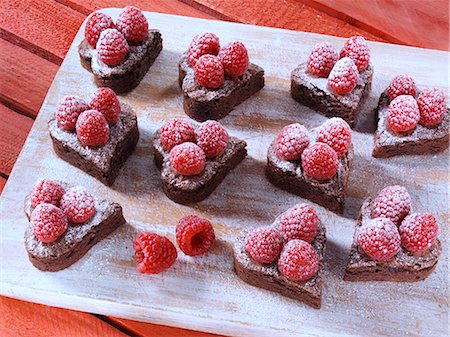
x=132, y=24
x=401, y=85
x=202, y=44
x=78, y=204
x=46, y=191
x=187, y=159
x=48, y=222
x=357, y=49
x=299, y=222
x=195, y=235
x=343, y=77
x=292, y=140
x=393, y=202
x=208, y=71
x=176, y=131
x=418, y=232
x=379, y=239
x=336, y=133
x=112, y=48
x=298, y=260
x=154, y=253
x=96, y=23
x=432, y=106
x=105, y=101
x=322, y=59
x=320, y=161
x=68, y=111
x=92, y=128
x=212, y=138
x=264, y=244
x=403, y=114
x=234, y=58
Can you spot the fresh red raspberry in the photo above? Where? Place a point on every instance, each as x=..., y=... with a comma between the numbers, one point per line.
x=208, y=72
x=343, y=77
x=401, y=85
x=48, y=222
x=78, y=205
x=46, y=191
x=187, y=159
x=403, y=114
x=432, y=106
x=379, y=239
x=105, y=101
x=195, y=235
x=176, y=131
x=357, y=49
x=132, y=24
x=320, y=161
x=203, y=44
x=264, y=244
x=154, y=253
x=292, y=140
x=212, y=138
x=298, y=261
x=234, y=58
x=112, y=48
x=96, y=23
x=322, y=59
x=299, y=222
x=337, y=134
x=92, y=128
x=68, y=111
x=393, y=202
x=418, y=232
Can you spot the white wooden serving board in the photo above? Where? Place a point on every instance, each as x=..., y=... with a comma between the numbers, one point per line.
x=204, y=293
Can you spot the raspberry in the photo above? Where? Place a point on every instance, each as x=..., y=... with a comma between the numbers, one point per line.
x=78, y=205
x=336, y=133
x=393, y=203
x=92, y=128
x=176, y=131
x=320, y=161
x=379, y=239
x=195, y=235
x=291, y=141
x=96, y=23
x=343, y=77
x=68, y=111
x=46, y=191
x=212, y=138
x=112, y=48
x=132, y=24
x=234, y=58
x=403, y=114
x=418, y=232
x=322, y=59
x=401, y=85
x=203, y=44
x=105, y=101
x=432, y=106
x=154, y=253
x=299, y=222
x=264, y=244
x=298, y=261
x=208, y=71
x=48, y=222
x=357, y=49
x=187, y=159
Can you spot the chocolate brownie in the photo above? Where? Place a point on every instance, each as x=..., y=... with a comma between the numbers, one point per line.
x=104, y=162
x=202, y=104
x=127, y=75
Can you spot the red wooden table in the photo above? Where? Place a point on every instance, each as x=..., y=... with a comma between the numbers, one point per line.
x=36, y=34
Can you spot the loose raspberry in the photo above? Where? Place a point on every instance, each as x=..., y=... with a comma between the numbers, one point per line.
x=48, y=222
x=112, y=48
x=418, y=232
x=187, y=159
x=195, y=235
x=336, y=133
x=322, y=59
x=234, y=58
x=401, y=85
x=357, y=49
x=78, y=205
x=203, y=44
x=176, y=131
x=320, y=161
x=46, y=191
x=105, y=101
x=299, y=222
x=264, y=244
x=92, y=128
x=393, y=203
x=96, y=23
x=298, y=261
x=154, y=253
x=432, y=106
x=292, y=140
x=212, y=138
x=208, y=72
x=132, y=24
x=343, y=77
x=379, y=239
x=68, y=111
x=403, y=114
